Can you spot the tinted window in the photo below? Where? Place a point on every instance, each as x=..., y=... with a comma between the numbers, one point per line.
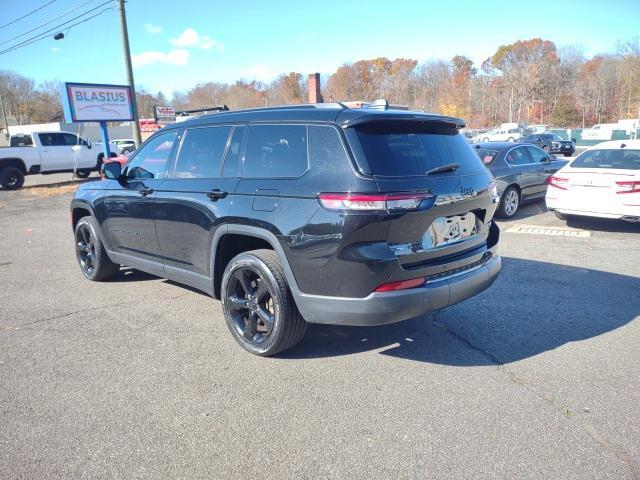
x=487, y=156
x=537, y=154
x=151, y=160
x=618, y=158
x=276, y=151
x=519, y=156
x=51, y=139
x=406, y=149
x=232, y=161
x=21, y=141
x=201, y=152
x=325, y=148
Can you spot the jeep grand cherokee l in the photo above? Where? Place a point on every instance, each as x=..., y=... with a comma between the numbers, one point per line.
x=289, y=215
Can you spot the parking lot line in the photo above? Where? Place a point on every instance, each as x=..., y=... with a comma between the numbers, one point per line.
x=551, y=231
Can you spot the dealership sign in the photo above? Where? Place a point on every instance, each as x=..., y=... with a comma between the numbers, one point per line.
x=164, y=114
x=89, y=102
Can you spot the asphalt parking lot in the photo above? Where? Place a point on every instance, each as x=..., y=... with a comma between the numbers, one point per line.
x=538, y=377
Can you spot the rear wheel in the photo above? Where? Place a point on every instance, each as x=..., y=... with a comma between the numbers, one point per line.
x=545, y=148
x=258, y=306
x=509, y=203
x=83, y=173
x=11, y=178
x=94, y=262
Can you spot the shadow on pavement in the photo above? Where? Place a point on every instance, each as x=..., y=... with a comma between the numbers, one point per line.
x=532, y=307
x=603, y=225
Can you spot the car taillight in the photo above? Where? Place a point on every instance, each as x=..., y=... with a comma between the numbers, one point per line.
x=493, y=189
x=632, y=186
x=400, y=285
x=372, y=202
x=558, y=182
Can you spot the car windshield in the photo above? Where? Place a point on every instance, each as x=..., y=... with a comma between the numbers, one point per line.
x=557, y=138
x=620, y=158
x=487, y=156
x=399, y=149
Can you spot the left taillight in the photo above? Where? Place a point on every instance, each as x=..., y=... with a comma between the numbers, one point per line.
x=632, y=186
x=372, y=201
x=558, y=182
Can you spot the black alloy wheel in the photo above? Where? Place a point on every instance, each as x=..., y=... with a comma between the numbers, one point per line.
x=86, y=250
x=250, y=305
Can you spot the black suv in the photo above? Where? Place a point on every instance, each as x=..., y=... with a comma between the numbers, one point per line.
x=552, y=143
x=315, y=213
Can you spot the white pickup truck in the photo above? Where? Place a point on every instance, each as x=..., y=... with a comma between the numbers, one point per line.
x=46, y=152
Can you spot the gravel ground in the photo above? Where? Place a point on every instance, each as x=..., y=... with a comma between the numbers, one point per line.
x=538, y=377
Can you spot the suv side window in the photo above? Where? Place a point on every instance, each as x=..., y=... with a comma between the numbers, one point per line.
x=325, y=148
x=537, y=154
x=232, y=160
x=201, y=152
x=151, y=160
x=275, y=151
x=519, y=156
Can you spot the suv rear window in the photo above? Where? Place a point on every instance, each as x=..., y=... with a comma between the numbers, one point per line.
x=614, y=158
x=403, y=149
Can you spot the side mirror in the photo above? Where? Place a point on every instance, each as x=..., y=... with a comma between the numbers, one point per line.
x=112, y=170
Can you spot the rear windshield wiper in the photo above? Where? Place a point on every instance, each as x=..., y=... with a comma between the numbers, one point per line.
x=449, y=167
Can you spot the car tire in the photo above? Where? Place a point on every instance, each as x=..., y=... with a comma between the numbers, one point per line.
x=509, y=203
x=568, y=154
x=511, y=139
x=545, y=148
x=83, y=173
x=126, y=151
x=93, y=259
x=11, y=178
x=258, y=305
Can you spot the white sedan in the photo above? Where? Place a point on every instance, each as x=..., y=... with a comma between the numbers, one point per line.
x=603, y=181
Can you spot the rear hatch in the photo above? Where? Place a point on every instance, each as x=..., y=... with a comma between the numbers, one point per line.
x=451, y=228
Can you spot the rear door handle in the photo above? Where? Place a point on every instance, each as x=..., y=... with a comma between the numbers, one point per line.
x=144, y=191
x=216, y=194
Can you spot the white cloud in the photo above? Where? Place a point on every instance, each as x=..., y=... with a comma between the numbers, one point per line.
x=151, y=28
x=191, y=38
x=259, y=72
x=177, y=56
x=55, y=49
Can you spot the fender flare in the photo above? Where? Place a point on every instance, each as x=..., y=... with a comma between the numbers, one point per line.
x=258, y=233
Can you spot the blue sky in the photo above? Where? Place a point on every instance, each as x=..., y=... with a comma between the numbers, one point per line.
x=178, y=44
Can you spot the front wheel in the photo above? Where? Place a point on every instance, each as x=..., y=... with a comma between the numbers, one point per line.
x=568, y=154
x=83, y=173
x=509, y=203
x=94, y=262
x=258, y=306
x=11, y=178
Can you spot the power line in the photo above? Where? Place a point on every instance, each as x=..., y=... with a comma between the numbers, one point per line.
x=54, y=19
x=27, y=14
x=45, y=35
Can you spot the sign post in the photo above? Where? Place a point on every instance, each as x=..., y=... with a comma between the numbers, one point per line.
x=92, y=102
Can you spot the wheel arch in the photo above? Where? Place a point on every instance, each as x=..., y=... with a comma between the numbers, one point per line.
x=14, y=162
x=231, y=240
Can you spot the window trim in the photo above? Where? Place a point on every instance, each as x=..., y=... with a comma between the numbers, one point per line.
x=174, y=163
x=170, y=158
x=277, y=124
x=243, y=143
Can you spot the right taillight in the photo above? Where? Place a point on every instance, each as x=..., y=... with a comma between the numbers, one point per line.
x=372, y=201
x=632, y=186
x=558, y=182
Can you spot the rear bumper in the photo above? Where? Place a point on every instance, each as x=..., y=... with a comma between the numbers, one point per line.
x=568, y=207
x=389, y=307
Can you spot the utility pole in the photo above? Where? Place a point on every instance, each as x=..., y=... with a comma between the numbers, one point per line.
x=4, y=116
x=127, y=61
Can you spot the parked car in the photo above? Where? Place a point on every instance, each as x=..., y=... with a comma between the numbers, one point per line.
x=521, y=172
x=46, y=152
x=320, y=214
x=501, y=135
x=603, y=181
x=120, y=146
x=600, y=131
x=552, y=143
